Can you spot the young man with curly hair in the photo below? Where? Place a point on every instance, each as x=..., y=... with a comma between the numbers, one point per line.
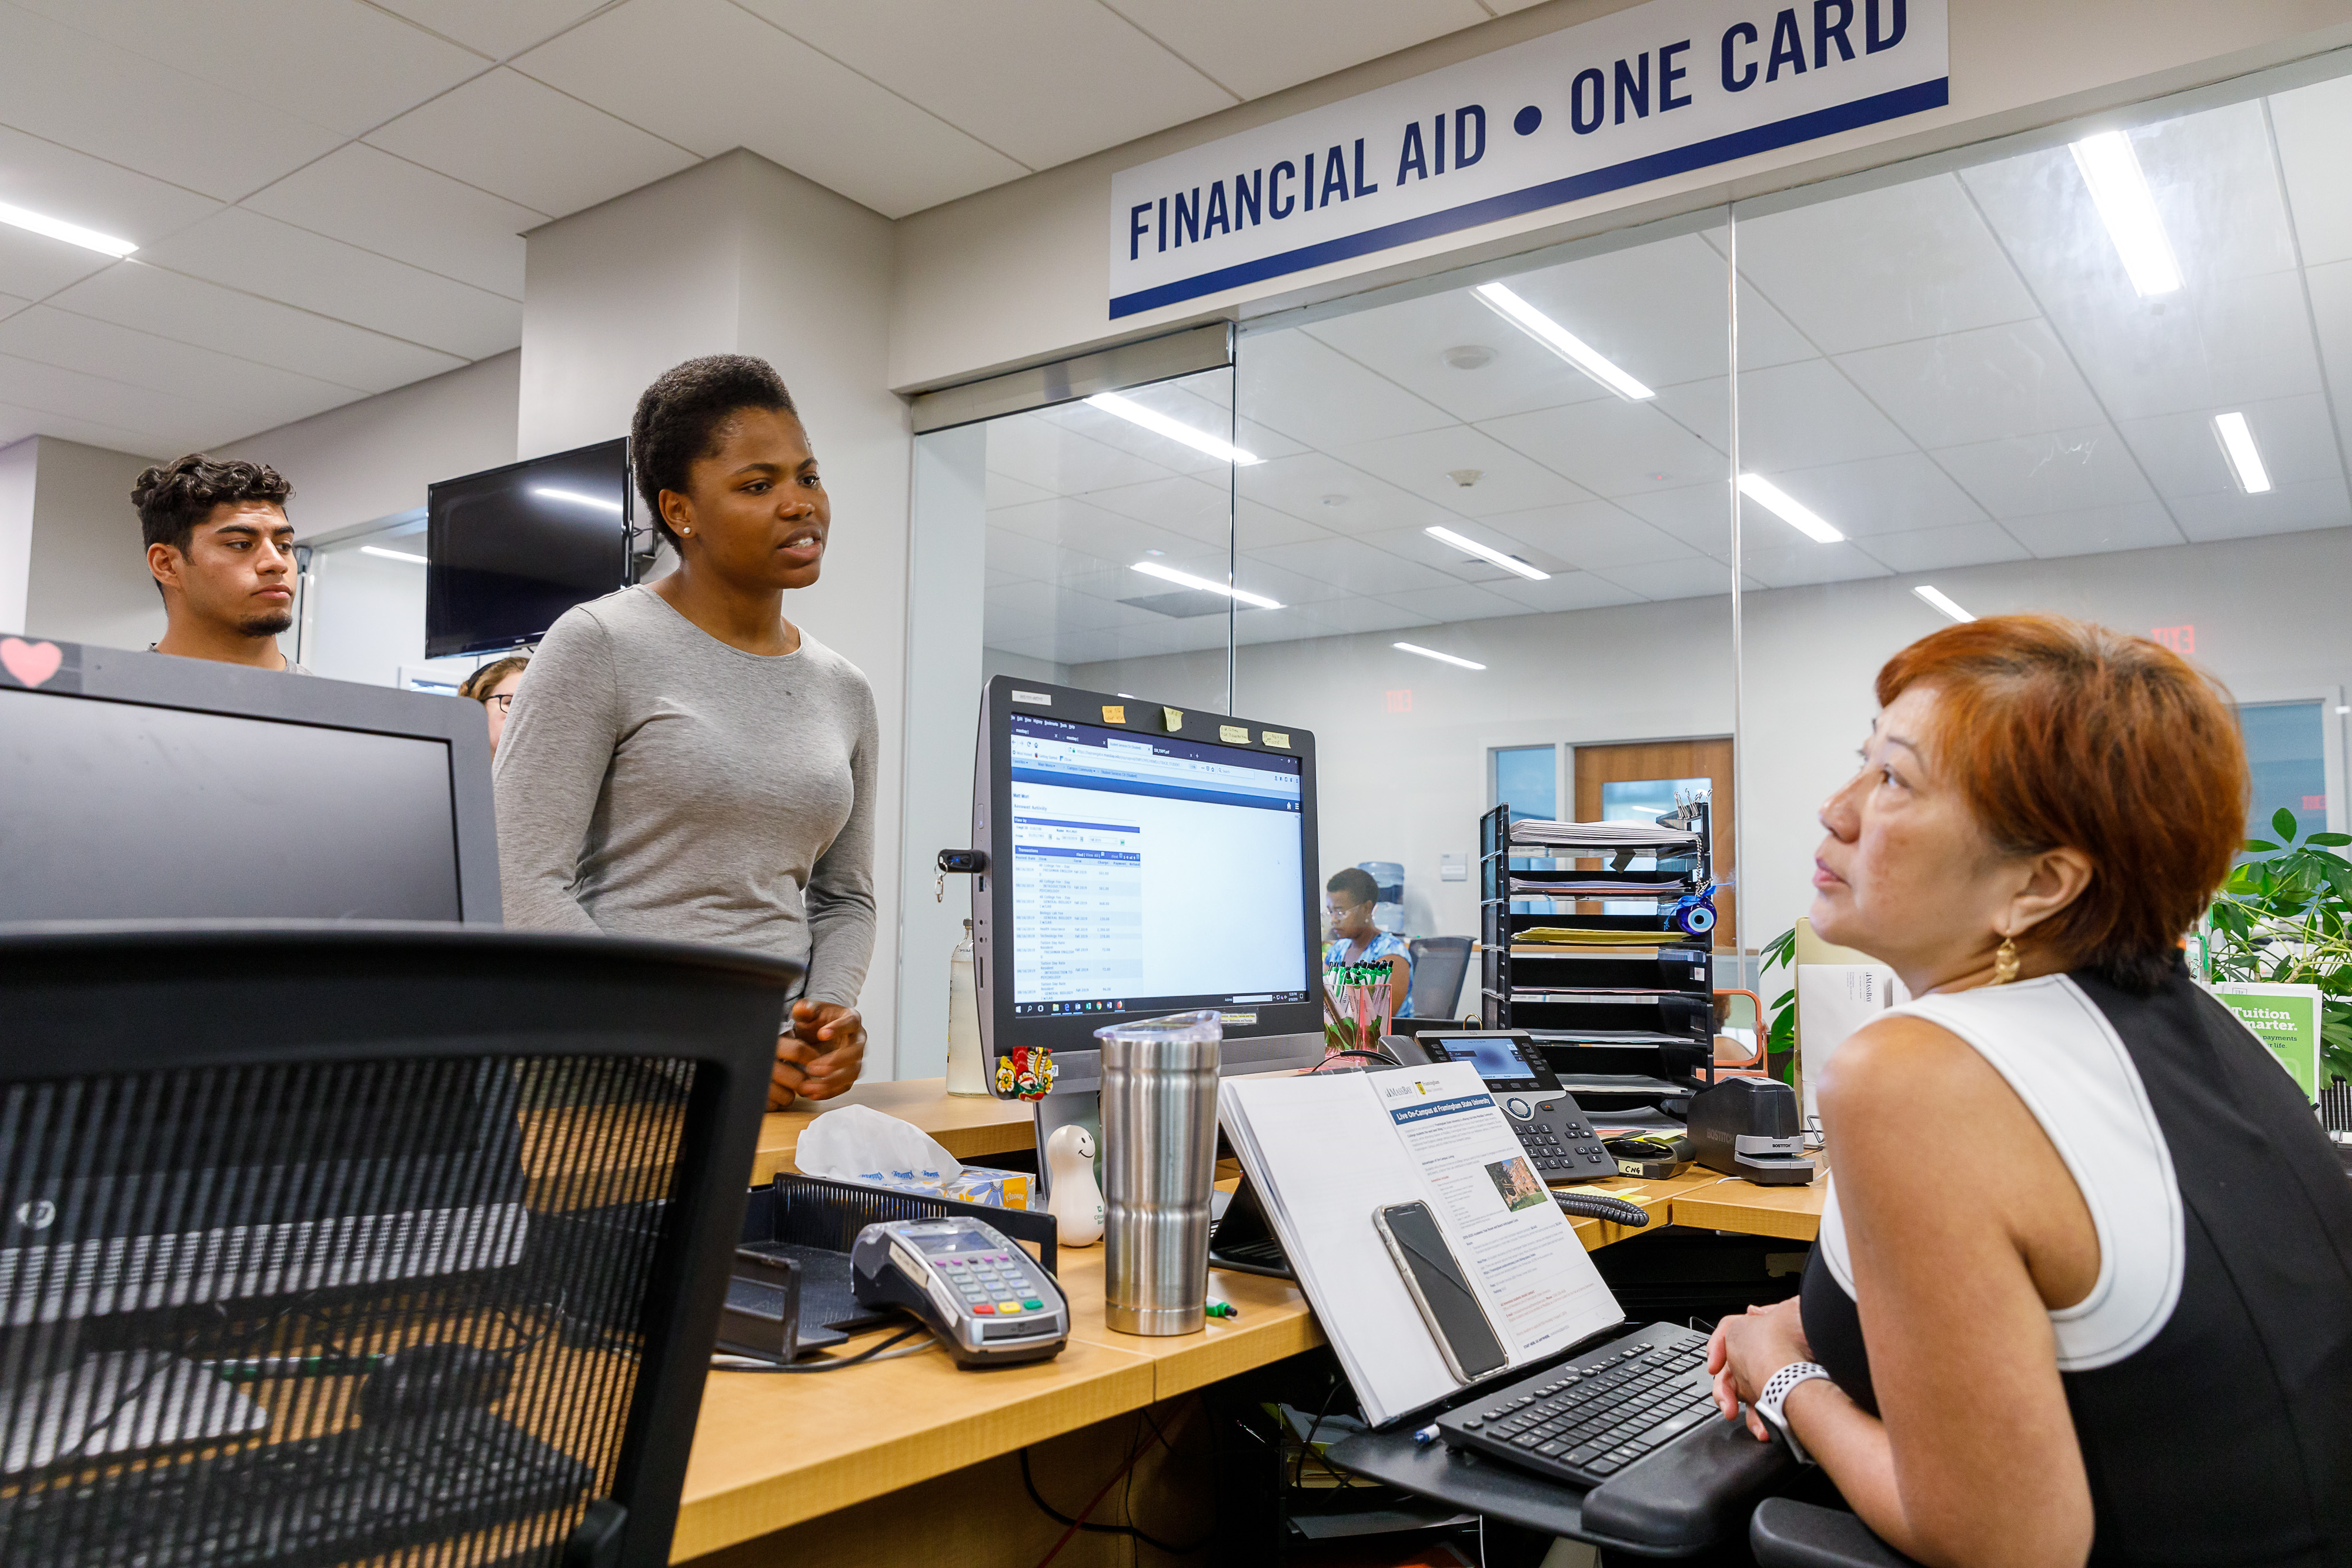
x=222, y=553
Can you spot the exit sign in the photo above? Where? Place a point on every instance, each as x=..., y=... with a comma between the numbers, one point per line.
x=2180, y=639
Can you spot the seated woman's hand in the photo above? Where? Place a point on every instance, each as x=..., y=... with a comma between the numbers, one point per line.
x=831, y=1041
x=1747, y=1350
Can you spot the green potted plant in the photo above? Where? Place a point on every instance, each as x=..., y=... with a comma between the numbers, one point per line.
x=2287, y=918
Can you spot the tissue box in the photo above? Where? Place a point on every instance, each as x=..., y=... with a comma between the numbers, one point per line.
x=977, y=1184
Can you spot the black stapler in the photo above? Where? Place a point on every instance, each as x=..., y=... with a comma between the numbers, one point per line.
x=1748, y=1128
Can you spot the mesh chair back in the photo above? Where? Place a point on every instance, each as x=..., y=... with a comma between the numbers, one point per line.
x=1438, y=965
x=319, y=1245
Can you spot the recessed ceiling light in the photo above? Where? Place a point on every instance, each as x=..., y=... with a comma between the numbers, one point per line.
x=2245, y=457
x=2120, y=191
x=393, y=554
x=1560, y=340
x=1441, y=658
x=1468, y=356
x=601, y=502
x=1788, y=509
x=1943, y=601
x=1170, y=574
x=73, y=234
x=1159, y=423
x=1487, y=552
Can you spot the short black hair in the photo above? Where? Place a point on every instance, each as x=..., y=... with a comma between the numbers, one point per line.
x=1357, y=884
x=678, y=416
x=172, y=500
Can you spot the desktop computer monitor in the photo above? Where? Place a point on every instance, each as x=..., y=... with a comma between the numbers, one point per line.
x=142, y=787
x=1142, y=860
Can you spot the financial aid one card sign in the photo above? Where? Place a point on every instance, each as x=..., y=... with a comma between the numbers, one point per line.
x=1639, y=95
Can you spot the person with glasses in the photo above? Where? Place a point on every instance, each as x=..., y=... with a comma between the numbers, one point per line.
x=1349, y=899
x=493, y=685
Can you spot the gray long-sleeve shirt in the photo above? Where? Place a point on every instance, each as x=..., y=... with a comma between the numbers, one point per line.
x=653, y=781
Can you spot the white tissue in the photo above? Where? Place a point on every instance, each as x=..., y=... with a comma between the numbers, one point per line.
x=858, y=1142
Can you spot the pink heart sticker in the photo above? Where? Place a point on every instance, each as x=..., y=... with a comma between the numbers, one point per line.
x=31, y=662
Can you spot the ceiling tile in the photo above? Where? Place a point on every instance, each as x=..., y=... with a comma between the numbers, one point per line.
x=1407, y=343
x=387, y=204
x=1253, y=627
x=1611, y=448
x=1350, y=566
x=194, y=311
x=1357, y=613
x=2234, y=340
x=1256, y=525
x=2062, y=471
x=524, y=141
x=1024, y=556
x=1566, y=590
x=1074, y=525
x=710, y=76
x=336, y=63
x=501, y=31
x=2010, y=380
x=2313, y=126
x=1328, y=494
x=10, y=305
x=168, y=421
x=1882, y=495
x=1912, y=260
x=1186, y=405
x=1805, y=562
x=1934, y=550
x=2092, y=530
x=261, y=255
x=1416, y=545
x=1044, y=82
x=246, y=395
x=1656, y=310
x=1797, y=415
x=1004, y=490
x=63, y=183
x=1426, y=461
x=1059, y=461
x=1455, y=601
x=1295, y=42
x=2181, y=453
x=1313, y=393
x=1697, y=515
x=71, y=89
x=1695, y=579
x=1594, y=535
x=36, y=265
x=2232, y=515
x=2331, y=310
x=1043, y=607
x=1190, y=506
x=16, y=422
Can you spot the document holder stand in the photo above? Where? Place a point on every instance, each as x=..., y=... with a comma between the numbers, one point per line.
x=1244, y=1240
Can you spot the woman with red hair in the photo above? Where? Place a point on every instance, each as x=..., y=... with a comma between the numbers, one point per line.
x=2083, y=1284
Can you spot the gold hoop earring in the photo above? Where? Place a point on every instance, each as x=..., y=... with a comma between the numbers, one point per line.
x=2004, y=961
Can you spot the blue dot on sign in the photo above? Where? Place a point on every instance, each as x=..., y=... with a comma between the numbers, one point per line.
x=1529, y=119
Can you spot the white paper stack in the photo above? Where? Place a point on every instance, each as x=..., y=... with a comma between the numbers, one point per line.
x=1599, y=835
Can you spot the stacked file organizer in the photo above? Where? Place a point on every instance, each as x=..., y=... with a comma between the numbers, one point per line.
x=1622, y=1002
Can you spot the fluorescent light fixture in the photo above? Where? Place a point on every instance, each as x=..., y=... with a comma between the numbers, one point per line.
x=1433, y=653
x=1170, y=574
x=2245, y=458
x=1159, y=423
x=1487, y=552
x=73, y=234
x=1788, y=509
x=599, y=502
x=1560, y=340
x=393, y=554
x=2112, y=170
x=1943, y=601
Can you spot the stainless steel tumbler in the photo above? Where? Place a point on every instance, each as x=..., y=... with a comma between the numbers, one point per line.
x=1160, y=1149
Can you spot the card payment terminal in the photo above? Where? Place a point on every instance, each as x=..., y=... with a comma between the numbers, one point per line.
x=989, y=1302
x=1552, y=1127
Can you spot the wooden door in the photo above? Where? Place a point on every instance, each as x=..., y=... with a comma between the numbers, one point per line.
x=1664, y=759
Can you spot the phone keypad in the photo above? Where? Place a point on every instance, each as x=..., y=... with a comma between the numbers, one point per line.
x=993, y=1284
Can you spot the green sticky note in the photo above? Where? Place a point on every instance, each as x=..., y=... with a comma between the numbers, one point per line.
x=2283, y=1018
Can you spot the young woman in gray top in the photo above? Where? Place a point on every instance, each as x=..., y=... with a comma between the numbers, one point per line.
x=684, y=761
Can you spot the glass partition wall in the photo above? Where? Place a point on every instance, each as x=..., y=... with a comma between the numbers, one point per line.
x=1476, y=532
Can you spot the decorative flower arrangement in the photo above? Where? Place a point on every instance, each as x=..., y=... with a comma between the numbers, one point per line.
x=1026, y=1074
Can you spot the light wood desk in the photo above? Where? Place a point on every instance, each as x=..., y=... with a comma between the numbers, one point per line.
x=776, y=1451
x=969, y=1127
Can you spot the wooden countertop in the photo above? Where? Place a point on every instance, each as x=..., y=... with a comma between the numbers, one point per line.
x=969, y=1127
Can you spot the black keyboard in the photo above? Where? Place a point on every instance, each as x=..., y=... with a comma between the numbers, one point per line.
x=1589, y=1417
x=307, y=1504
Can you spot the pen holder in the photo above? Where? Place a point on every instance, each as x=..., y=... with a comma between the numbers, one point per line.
x=1160, y=1149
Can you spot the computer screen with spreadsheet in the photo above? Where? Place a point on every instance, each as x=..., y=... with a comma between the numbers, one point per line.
x=1144, y=860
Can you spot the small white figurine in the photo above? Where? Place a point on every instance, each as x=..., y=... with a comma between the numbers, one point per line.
x=1074, y=1201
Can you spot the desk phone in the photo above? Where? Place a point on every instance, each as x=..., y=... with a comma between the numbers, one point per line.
x=1551, y=1126
x=990, y=1302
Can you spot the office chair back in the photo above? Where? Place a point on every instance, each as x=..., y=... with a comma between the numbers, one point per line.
x=324, y=1243
x=1439, y=963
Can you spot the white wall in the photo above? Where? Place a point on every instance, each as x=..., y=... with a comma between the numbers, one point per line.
x=19, y=462
x=1018, y=274
x=374, y=459
x=87, y=580
x=738, y=256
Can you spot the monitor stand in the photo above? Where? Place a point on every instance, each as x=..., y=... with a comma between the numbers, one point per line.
x=111, y=1404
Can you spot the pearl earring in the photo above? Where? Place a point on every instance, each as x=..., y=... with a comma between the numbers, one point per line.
x=686, y=530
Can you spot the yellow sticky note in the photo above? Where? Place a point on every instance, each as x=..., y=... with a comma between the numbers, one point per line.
x=1276, y=737
x=1233, y=735
x=1114, y=713
x=1173, y=717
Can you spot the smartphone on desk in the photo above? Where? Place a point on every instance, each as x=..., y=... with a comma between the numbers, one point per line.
x=1456, y=1320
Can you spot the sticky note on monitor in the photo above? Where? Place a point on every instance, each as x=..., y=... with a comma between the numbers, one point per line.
x=1233, y=735
x=1173, y=718
x=1114, y=713
x=1276, y=737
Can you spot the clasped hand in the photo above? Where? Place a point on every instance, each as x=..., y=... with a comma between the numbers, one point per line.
x=820, y=1056
x=1747, y=1350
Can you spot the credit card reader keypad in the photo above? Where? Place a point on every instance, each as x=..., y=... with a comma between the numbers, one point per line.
x=988, y=1301
x=1551, y=1127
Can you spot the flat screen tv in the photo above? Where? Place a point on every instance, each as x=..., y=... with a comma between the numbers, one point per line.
x=511, y=549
